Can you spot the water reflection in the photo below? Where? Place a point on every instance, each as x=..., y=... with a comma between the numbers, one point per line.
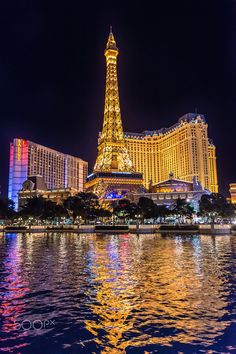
x=118, y=293
x=154, y=286
x=113, y=300
x=13, y=287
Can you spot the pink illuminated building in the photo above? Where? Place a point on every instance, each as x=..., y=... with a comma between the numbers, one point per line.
x=57, y=169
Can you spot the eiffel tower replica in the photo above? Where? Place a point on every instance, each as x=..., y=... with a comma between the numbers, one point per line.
x=113, y=174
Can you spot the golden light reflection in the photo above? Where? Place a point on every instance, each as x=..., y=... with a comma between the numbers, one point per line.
x=114, y=300
x=118, y=291
x=160, y=286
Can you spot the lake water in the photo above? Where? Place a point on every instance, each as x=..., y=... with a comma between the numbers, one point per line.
x=69, y=293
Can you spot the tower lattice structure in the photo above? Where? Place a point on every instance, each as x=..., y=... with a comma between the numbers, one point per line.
x=113, y=155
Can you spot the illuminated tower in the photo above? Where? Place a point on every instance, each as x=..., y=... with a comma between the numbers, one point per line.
x=112, y=152
x=113, y=175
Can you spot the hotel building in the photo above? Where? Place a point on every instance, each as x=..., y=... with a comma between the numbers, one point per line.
x=57, y=169
x=35, y=186
x=183, y=149
x=167, y=192
x=232, y=191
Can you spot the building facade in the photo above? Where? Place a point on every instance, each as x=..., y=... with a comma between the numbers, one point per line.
x=183, y=149
x=232, y=191
x=57, y=169
x=35, y=186
x=167, y=192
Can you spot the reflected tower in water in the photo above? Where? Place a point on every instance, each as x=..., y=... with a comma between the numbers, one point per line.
x=156, y=286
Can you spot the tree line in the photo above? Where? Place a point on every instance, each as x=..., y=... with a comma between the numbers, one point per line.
x=85, y=207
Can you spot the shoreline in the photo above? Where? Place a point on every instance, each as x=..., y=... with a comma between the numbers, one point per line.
x=216, y=229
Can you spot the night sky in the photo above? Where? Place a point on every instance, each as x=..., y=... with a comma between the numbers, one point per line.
x=174, y=57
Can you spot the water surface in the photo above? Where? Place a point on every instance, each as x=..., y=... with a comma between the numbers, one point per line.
x=69, y=293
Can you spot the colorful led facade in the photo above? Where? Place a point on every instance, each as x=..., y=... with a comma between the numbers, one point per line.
x=18, y=167
x=58, y=170
x=183, y=149
x=113, y=175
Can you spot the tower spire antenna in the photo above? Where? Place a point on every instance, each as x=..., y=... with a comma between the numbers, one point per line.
x=111, y=43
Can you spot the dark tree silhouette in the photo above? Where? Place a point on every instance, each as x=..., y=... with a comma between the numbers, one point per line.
x=34, y=207
x=147, y=208
x=6, y=208
x=182, y=209
x=42, y=208
x=84, y=204
x=161, y=212
x=215, y=205
x=126, y=209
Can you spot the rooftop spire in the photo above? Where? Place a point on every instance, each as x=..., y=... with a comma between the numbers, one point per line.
x=111, y=43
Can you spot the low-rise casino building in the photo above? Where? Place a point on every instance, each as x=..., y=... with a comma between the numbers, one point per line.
x=35, y=186
x=168, y=191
